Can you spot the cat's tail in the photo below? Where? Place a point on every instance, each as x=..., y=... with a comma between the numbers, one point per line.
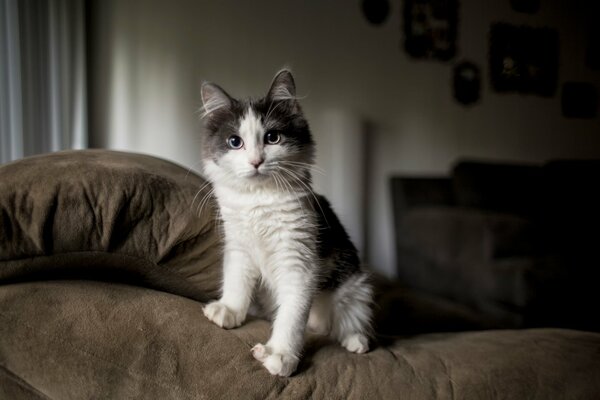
x=352, y=313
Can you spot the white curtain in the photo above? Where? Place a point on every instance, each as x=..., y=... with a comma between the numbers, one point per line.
x=42, y=77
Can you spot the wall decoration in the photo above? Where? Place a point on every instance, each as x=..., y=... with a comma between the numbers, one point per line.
x=467, y=83
x=579, y=100
x=523, y=59
x=525, y=6
x=430, y=28
x=376, y=11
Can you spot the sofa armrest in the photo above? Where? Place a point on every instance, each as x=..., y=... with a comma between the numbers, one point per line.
x=99, y=214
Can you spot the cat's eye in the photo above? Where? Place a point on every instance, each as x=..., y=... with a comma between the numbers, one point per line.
x=235, y=142
x=272, y=137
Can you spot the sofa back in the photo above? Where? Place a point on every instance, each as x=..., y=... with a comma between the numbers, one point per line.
x=518, y=242
x=506, y=188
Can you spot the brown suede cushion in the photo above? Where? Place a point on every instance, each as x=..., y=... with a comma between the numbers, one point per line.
x=84, y=340
x=107, y=215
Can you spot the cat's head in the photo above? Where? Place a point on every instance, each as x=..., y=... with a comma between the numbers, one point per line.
x=255, y=143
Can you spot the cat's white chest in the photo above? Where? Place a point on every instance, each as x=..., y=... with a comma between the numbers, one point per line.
x=266, y=225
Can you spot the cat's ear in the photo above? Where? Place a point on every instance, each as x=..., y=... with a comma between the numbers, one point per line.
x=283, y=87
x=214, y=98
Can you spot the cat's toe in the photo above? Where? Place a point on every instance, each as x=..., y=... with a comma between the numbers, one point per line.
x=260, y=352
x=356, y=343
x=221, y=315
x=281, y=364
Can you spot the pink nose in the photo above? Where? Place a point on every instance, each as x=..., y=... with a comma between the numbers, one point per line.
x=256, y=163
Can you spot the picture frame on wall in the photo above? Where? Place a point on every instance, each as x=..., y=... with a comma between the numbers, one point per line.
x=376, y=11
x=466, y=83
x=523, y=59
x=430, y=28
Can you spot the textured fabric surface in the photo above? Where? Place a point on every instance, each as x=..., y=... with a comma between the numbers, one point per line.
x=86, y=239
x=76, y=340
x=107, y=215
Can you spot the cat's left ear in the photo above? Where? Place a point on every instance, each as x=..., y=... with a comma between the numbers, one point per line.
x=214, y=98
x=283, y=87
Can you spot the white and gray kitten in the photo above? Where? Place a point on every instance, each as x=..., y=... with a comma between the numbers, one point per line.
x=286, y=254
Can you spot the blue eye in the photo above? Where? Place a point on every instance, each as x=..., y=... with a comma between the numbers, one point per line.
x=272, y=137
x=235, y=142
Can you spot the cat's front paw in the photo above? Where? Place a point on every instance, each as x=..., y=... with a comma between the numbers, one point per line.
x=282, y=364
x=356, y=343
x=221, y=315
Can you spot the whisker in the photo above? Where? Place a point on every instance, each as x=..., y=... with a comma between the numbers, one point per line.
x=310, y=191
x=199, y=191
x=190, y=169
x=292, y=193
x=302, y=165
x=204, y=202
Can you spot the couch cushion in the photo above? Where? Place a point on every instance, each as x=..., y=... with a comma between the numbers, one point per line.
x=108, y=215
x=80, y=340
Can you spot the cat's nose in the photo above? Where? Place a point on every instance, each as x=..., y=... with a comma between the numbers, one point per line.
x=257, y=162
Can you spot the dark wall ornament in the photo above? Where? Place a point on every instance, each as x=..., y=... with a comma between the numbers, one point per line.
x=523, y=59
x=579, y=100
x=430, y=28
x=376, y=11
x=467, y=83
x=525, y=6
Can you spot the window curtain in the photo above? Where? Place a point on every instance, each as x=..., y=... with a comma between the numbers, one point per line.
x=42, y=77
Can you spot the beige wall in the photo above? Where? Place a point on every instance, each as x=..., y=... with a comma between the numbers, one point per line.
x=150, y=57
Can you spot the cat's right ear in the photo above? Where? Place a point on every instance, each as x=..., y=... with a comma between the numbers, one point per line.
x=214, y=98
x=283, y=87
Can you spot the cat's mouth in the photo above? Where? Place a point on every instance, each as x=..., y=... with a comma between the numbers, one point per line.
x=256, y=174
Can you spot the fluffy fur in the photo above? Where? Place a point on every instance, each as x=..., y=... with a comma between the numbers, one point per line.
x=286, y=253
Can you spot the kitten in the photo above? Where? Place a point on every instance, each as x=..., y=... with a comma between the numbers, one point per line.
x=285, y=250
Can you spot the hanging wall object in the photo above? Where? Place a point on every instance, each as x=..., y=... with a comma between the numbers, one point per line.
x=579, y=100
x=525, y=6
x=430, y=28
x=376, y=11
x=523, y=59
x=467, y=83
